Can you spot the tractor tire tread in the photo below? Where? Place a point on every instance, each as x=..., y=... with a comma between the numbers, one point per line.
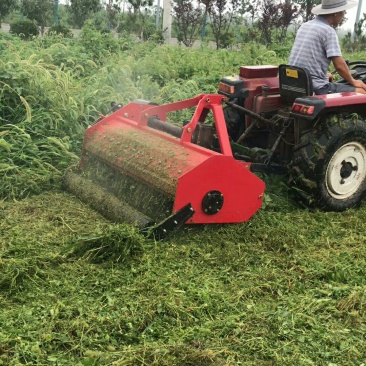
x=312, y=156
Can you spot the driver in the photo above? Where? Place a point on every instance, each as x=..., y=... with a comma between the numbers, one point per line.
x=316, y=46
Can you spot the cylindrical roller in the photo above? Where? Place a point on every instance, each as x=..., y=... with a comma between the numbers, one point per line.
x=103, y=201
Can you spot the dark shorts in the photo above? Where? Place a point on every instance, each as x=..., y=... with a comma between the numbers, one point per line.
x=335, y=88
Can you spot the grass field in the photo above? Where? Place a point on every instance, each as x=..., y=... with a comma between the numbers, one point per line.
x=285, y=288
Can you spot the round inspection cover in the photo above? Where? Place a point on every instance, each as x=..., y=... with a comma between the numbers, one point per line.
x=212, y=202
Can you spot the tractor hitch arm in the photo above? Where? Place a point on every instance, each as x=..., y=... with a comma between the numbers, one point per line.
x=256, y=116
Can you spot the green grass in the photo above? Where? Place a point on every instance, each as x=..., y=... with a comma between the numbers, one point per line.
x=285, y=288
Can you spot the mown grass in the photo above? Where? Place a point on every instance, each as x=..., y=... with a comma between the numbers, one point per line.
x=286, y=288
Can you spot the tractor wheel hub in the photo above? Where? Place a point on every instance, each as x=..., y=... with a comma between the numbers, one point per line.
x=346, y=170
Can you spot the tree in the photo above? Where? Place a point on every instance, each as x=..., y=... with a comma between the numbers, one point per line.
x=221, y=14
x=247, y=7
x=5, y=8
x=81, y=10
x=207, y=4
x=139, y=21
x=188, y=19
x=356, y=41
x=112, y=9
x=276, y=17
x=245, y=19
x=268, y=19
x=138, y=4
x=40, y=11
x=306, y=6
x=287, y=14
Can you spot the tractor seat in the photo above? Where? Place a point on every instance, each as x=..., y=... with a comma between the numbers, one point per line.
x=295, y=82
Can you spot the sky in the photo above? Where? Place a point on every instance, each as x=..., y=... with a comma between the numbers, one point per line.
x=351, y=16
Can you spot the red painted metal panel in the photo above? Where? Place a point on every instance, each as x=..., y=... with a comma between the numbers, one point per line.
x=242, y=190
x=343, y=99
x=258, y=71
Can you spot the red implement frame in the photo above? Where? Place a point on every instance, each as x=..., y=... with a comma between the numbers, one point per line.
x=180, y=169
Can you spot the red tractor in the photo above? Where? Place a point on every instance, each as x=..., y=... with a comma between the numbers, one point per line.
x=320, y=141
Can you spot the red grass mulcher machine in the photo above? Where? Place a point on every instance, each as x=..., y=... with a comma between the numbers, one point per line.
x=138, y=168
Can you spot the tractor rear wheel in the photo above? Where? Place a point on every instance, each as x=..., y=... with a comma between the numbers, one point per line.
x=328, y=167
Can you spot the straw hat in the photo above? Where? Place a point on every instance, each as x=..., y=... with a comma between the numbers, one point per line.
x=333, y=6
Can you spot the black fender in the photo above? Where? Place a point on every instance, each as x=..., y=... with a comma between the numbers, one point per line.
x=318, y=104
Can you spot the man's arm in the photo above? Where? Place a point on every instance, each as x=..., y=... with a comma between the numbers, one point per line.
x=342, y=68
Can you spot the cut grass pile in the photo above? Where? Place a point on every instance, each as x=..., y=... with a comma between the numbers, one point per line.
x=285, y=288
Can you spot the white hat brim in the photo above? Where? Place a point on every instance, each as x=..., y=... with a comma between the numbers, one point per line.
x=318, y=10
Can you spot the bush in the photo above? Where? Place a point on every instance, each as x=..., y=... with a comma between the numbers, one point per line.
x=4, y=36
x=60, y=30
x=101, y=44
x=25, y=29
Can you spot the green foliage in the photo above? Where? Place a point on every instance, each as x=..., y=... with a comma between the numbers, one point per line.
x=25, y=29
x=172, y=63
x=221, y=17
x=36, y=125
x=157, y=36
x=282, y=51
x=5, y=36
x=357, y=41
x=39, y=11
x=31, y=161
x=142, y=25
x=188, y=20
x=81, y=10
x=100, y=44
x=5, y=7
x=61, y=30
x=137, y=4
x=226, y=40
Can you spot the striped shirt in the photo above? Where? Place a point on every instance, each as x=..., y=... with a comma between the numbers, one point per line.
x=315, y=43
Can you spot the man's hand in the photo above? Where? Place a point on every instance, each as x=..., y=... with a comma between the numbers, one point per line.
x=330, y=76
x=343, y=71
x=359, y=84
